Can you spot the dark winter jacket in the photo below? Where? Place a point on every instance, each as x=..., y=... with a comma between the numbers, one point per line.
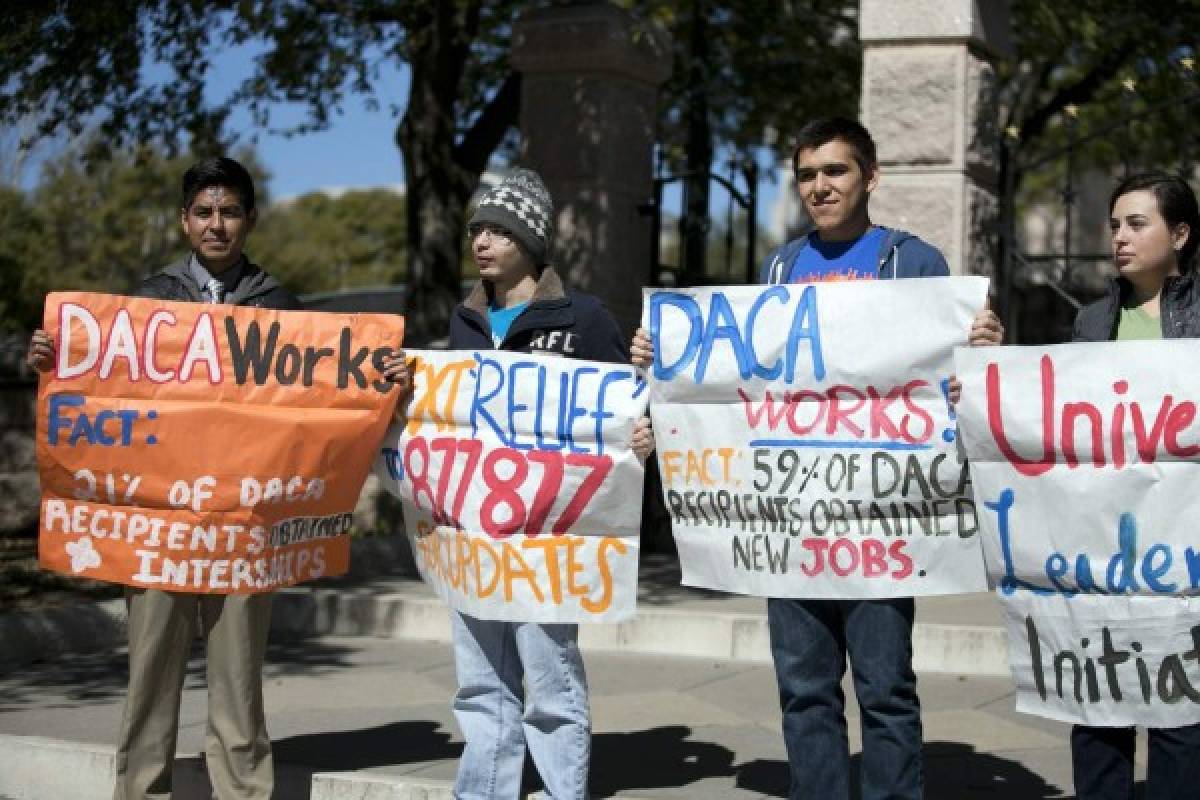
x=556, y=322
x=1180, y=311
x=902, y=255
x=254, y=287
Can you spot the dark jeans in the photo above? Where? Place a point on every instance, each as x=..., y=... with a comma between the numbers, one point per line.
x=809, y=643
x=1102, y=761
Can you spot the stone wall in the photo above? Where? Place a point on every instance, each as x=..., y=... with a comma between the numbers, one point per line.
x=19, y=490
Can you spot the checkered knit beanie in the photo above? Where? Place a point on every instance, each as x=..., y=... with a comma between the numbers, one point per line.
x=521, y=205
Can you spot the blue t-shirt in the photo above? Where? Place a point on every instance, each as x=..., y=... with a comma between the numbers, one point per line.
x=501, y=319
x=838, y=261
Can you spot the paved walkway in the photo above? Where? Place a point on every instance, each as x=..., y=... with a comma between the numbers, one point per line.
x=368, y=714
x=677, y=728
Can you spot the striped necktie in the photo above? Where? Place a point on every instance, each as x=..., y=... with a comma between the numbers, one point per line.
x=216, y=290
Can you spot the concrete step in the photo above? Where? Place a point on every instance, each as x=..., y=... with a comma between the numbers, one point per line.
x=40, y=768
x=371, y=716
x=412, y=611
x=37, y=768
x=690, y=623
x=383, y=597
x=358, y=786
x=45, y=634
x=370, y=786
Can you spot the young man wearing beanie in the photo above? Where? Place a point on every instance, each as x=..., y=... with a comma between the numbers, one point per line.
x=520, y=304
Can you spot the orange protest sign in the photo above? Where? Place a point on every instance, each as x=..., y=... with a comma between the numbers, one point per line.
x=206, y=448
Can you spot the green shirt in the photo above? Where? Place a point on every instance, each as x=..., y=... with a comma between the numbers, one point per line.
x=1136, y=323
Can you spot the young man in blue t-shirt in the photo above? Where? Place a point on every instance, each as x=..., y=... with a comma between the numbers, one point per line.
x=836, y=170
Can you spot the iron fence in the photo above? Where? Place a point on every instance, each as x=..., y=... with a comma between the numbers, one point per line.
x=744, y=199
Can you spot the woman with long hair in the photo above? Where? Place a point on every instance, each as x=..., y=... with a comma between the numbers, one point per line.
x=1155, y=230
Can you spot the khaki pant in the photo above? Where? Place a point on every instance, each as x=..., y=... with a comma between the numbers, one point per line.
x=162, y=626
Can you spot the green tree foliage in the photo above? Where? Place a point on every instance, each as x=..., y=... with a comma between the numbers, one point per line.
x=95, y=226
x=758, y=68
x=1118, y=82
x=104, y=224
x=136, y=70
x=746, y=74
x=1115, y=81
x=19, y=234
x=318, y=243
x=91, y=225
x=96, y=64
x=462, y=102
x=1113, y=70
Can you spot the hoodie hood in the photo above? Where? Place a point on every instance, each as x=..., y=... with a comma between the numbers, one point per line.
x=901, y=255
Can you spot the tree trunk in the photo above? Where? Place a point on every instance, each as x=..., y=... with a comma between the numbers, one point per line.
x=437, y=192
x=442, y=167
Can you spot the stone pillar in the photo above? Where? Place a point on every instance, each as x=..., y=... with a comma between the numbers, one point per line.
x=589, y=81
x=927, y=89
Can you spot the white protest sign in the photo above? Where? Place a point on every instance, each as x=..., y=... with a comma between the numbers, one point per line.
x=805, y=438
x=521, y=496
x=1084, y=459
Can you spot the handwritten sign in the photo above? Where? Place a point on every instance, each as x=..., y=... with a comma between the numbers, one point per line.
x=206, y=448
x=521, y=496
x=1084, y=458
x=805, y=439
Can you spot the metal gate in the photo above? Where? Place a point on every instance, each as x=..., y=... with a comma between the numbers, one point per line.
x=744, y=171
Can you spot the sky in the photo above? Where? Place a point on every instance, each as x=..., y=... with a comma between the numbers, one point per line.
x=358, y=150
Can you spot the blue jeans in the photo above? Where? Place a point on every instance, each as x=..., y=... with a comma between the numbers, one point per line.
x=810, y=640
x=1102, y=762
x=492, y=660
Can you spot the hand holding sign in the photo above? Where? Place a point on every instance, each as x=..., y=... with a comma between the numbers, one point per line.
x=641, y=349
x=41, y=351
x=396, y=369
